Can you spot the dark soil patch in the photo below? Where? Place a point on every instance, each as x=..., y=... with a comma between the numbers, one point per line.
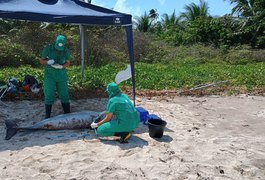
x=95, y=93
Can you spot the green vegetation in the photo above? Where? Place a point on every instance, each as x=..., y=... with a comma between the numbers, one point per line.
x=245, y=25
x=183, y=74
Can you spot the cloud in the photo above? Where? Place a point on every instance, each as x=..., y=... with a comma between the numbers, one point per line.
x=162, y=2
x=122, y=6
x=99, y=3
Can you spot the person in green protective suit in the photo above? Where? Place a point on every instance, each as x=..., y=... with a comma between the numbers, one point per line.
x=121, y=117
x=56, y=57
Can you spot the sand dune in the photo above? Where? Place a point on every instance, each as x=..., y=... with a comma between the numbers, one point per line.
x=205, y=138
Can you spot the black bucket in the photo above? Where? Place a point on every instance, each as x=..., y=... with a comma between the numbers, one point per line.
x=156, y=127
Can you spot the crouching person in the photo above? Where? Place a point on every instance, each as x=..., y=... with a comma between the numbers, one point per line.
x=121, y=117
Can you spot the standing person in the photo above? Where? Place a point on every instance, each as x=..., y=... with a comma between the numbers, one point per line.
x=121, y=117
x=56, y=57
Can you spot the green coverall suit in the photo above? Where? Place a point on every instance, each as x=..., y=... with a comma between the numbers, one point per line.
x=125, y=116
x=56, y=78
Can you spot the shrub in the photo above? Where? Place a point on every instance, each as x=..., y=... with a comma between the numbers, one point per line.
x=15, y=55
x=110, y=45
x=149, y=50
x=33, y=37
x=244, y=55
x=261, y=42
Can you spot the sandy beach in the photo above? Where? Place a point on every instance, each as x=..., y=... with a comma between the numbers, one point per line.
x=213, y=137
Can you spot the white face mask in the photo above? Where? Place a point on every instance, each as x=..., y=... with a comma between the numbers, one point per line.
x=60, y=44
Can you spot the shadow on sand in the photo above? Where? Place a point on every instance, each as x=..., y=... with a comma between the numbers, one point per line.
x=42, y=138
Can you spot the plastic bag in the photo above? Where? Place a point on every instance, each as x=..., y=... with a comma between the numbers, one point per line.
x=123, y=75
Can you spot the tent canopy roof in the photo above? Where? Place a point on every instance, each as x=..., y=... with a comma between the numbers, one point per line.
x=62, y=11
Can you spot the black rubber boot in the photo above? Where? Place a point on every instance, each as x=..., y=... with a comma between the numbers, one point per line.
x=66, y=107
x=48, y=109
x=117, y=134
x=124, y=136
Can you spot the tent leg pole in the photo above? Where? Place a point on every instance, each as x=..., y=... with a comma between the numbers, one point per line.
x=82, y=40
x=129, y=34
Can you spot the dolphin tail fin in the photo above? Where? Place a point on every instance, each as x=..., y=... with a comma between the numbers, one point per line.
x=11, y=129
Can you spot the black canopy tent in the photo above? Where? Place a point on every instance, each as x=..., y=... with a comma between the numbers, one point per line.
x=70, y=12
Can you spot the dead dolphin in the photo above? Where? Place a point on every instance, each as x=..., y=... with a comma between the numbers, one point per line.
x=76, y=120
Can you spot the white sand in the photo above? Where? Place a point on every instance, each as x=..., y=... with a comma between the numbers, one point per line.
x=205, y=138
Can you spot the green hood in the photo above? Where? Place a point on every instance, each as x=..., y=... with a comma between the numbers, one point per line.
x=60, y=42
x=113, y=90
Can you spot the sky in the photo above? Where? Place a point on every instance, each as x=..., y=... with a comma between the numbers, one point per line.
x=138, y=7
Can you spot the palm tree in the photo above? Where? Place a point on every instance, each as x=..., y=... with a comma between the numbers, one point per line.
x=153, y=14
x=143, y=23
x=170, y=21
x=251, y=14
x=194, y=11
x=243, y=7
